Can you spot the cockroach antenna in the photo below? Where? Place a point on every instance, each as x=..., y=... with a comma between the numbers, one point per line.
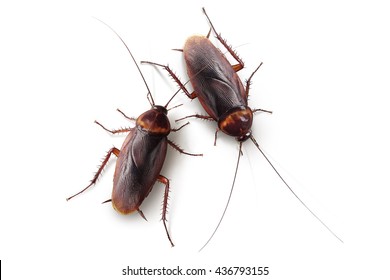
x=150, y=97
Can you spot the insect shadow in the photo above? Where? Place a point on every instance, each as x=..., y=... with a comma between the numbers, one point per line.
x=223, y=96
x=141, y=157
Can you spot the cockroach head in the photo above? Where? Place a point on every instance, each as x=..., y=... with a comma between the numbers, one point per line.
x=155, y=121
x=237, y=122
x=160, y=109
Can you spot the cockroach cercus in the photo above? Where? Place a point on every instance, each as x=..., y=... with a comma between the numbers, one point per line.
x=223, y=96
x=141, y=157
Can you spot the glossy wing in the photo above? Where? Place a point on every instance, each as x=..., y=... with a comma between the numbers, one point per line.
x=138, y=166
x=215, y=82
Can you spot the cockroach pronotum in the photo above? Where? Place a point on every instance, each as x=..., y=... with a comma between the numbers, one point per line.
x=223, y=96
x=141, y=157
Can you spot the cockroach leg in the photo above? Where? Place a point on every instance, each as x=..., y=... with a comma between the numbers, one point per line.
x=121, y=130
x=215, y=137
x=129, y=118
x=177, y=129
x=204, y=118
x=176, y=147
x=165, y=181
x=114, y=151
x=237, y=67
x=180, y=150
x=108, y=200
x=240, y=64
x=196, y=116
x=248, y=82
x=174, y=77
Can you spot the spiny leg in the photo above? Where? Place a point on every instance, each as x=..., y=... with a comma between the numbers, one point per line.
x=236, y=67
x=215, y=137
x=180, y=150
x=196, y=116
x=114, y=151
x=114, y=131
x=174, y=77
x=248, y=82
x=176, y=147
x=204, y=118
x=165, y=181
x=130, y=118
x=177, y=129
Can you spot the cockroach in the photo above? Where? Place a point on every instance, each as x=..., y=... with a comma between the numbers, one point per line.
x=223, y=96
x=141, y=158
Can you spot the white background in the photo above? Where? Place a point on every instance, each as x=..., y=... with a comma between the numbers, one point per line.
x=325, y=77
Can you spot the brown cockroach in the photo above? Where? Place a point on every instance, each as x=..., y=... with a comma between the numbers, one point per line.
x=141, y=158
x=223, y=96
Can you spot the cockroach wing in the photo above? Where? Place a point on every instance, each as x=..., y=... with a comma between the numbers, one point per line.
x=215, y=82
x=139, y=163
